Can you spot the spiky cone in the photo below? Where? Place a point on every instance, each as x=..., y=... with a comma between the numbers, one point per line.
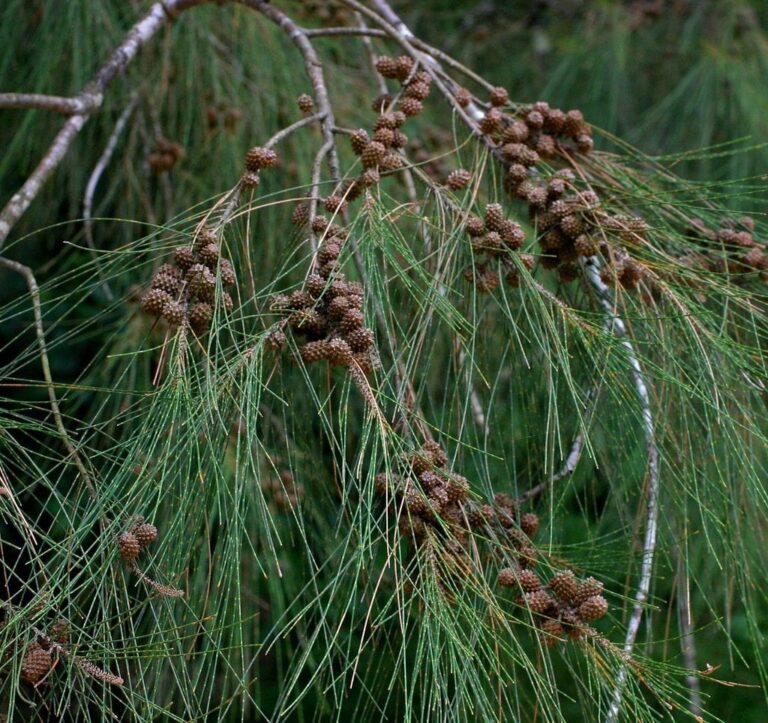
x=537, y=198
x=373, y=154
x=155, y=300
x=399, y=140
x=475, y=226
x=545, y=146
x=586, y=245
x=369, y=177
x=391, y=162
x=309, y=322
x=528, y=556
x=589, y=587
x=166, y=282
x=173, y=313
x=756, y=259
x=209, y=254
x=528, y=581
x=392, y=120
x=491, y=121
x=477, y=517
x=436, y=453
x=314, y=351
x=146, y=534
x=487, y=282
x=593, y=608
x=553, y=121
x=564, y=585
x=494, y=216
x=385, y=136
x=184, y=257
x=419, y=91
x=509, y=577
x=305, y=103
x=584, y=143
x=200, y=316
x=573, y=123
x=258, y=158
x=512, y=234
x=387, y=67
x=463, y=97
x=275, y=340
x=538, y=601
x=552, y=631
x=202, y=286
x=36, y=663
x=404, y=67
x=499, y=96
x=129, y=546
x=360, y=339
x=359, y=140
x=334, y=204
x=411, y=106
x=516, y=174
x=339, y=353
x=529, y=524
x=458, y=179
x=631, y=274
x=458, y=489
x=250, y=179
x=59, y=632
x=227, y=272
x=490, y=243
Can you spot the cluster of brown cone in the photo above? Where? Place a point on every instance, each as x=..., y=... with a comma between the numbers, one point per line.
x=570, y=221
x=184, y=291
x=436, y=514
x=327, y=312
x=731, y=249
x=494, y=237
x=564, y=606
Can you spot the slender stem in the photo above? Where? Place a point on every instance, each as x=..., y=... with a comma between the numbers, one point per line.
x=285, y=132
x=615, y=324
x=687, y=638
x=34, y=293
x=340, y=32
x=98, y=170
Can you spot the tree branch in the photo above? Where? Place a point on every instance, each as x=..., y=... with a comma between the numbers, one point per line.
x=157, y=16
x=615, y=325
x=84, y=103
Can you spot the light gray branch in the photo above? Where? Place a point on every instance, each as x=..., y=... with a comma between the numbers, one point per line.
x=615, y=324
x=84, y=103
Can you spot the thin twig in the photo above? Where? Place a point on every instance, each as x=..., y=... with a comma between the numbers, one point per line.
x=285, y=132
x=615, y=324
x=143, y=31
x=98, y=169
x=34, y=293
x=340, y=32
x=687, y=638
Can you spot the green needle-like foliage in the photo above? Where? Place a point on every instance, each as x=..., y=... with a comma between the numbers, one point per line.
x=420, y=477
